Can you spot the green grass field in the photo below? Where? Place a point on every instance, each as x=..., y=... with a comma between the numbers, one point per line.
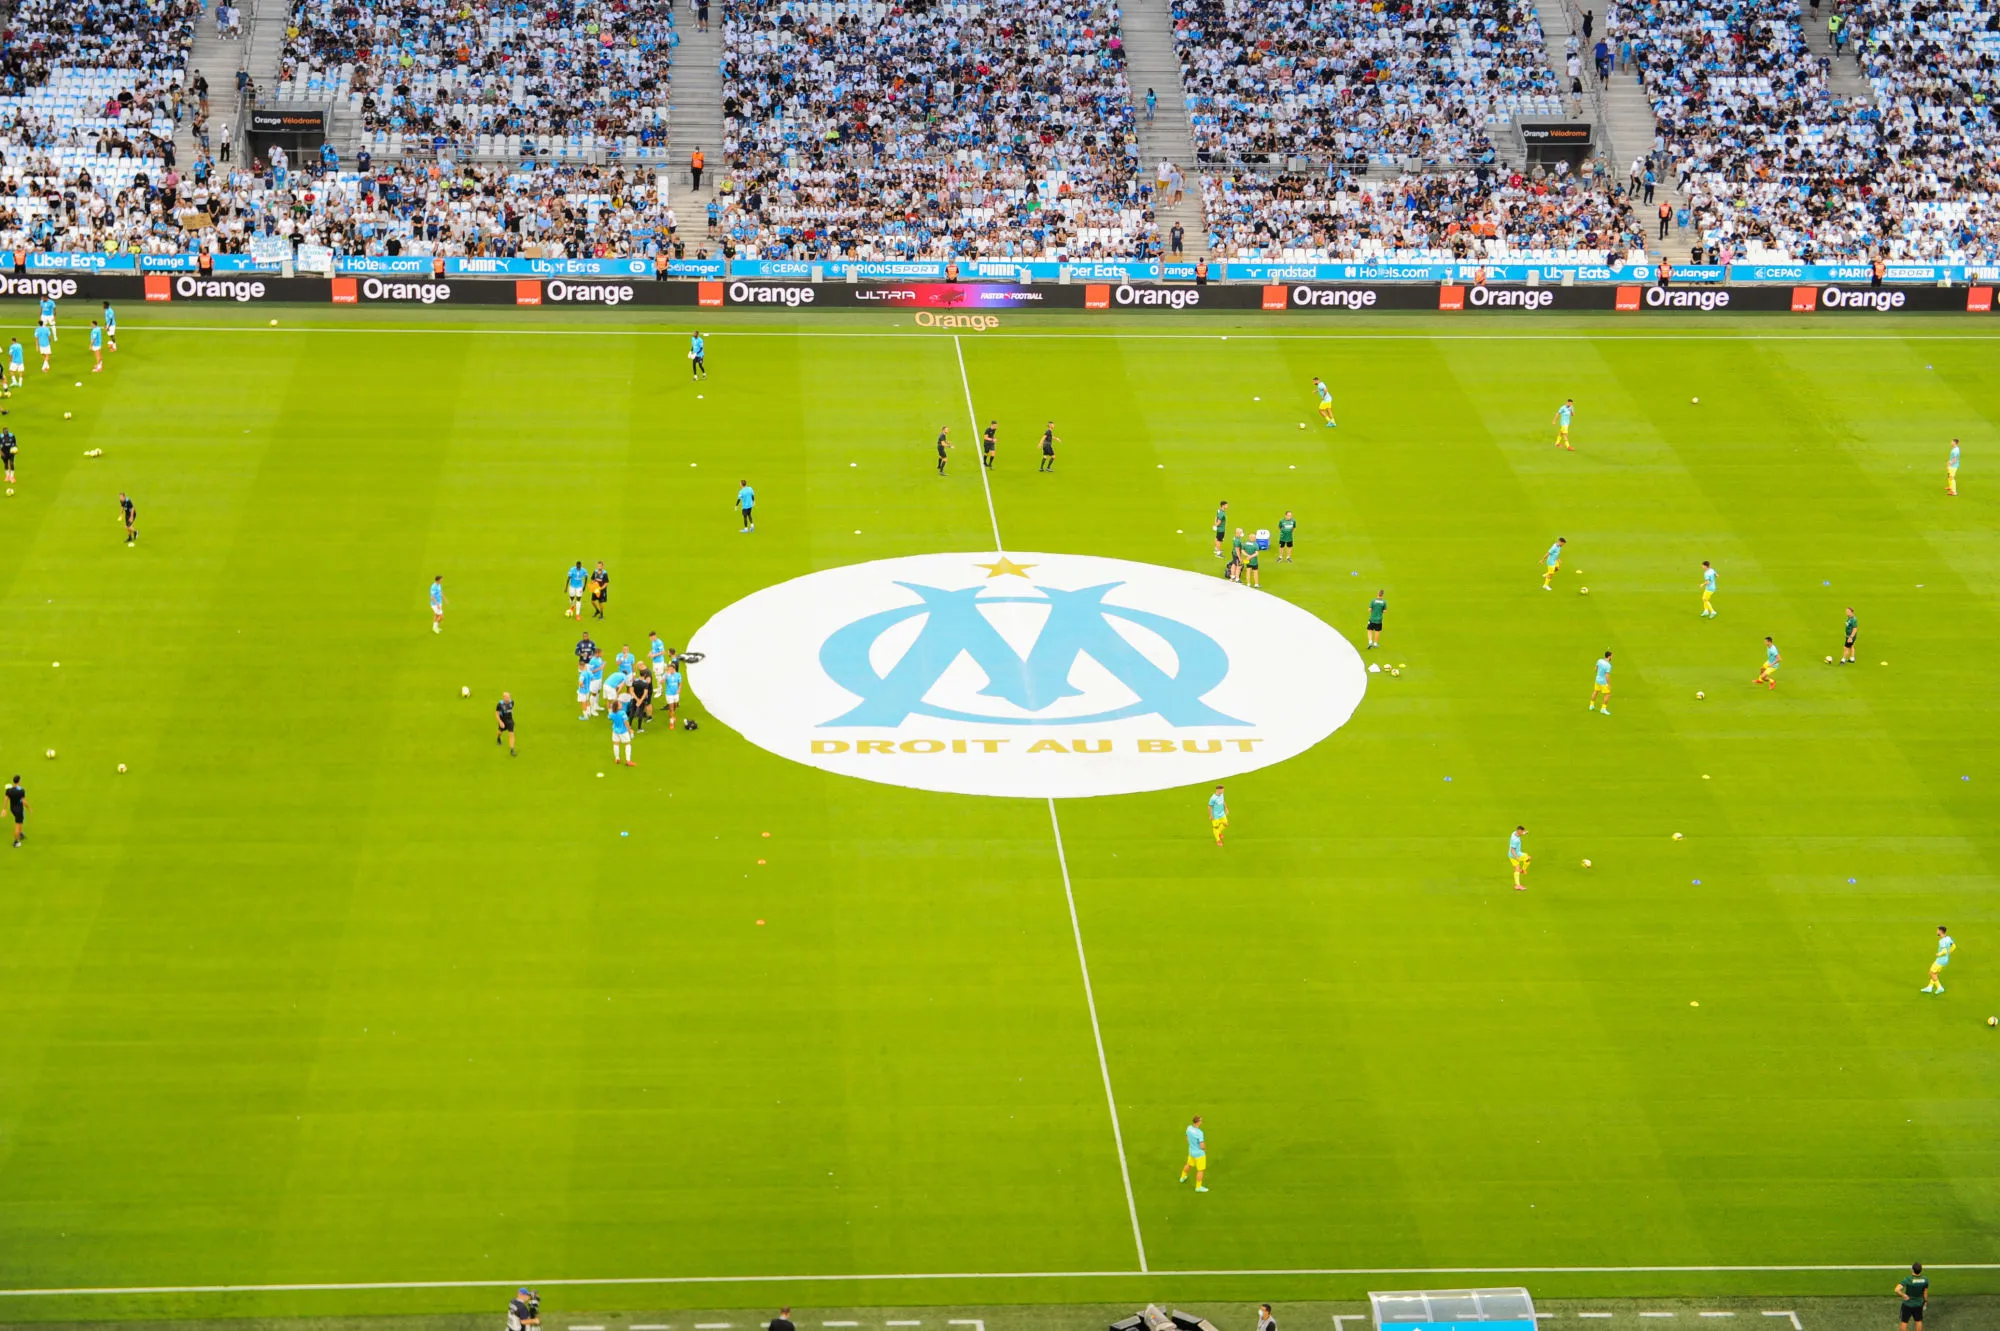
x=327, y=990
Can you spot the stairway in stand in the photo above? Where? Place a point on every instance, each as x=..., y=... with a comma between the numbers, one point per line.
x=1150, y=62
x=696, y=121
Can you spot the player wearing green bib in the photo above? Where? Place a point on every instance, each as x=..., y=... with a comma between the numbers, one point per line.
x=1376, y=609
x=1851, y=631
x=1286, y=526
x=1250, y=553
x=1221, y=525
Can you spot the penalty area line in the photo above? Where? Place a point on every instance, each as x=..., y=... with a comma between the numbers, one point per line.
x=578, y=1282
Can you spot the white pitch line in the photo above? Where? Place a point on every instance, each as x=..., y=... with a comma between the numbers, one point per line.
x=652, y=1326
x=584, y=1326
x=850, y=1278
x=1097, y=1034
x=897, y=1324
x=840, y=1324
x=1340, y=1320
x=712, y=1326
x=1593, y=1314
x=1656, y=1314
x=1699, y=1314
x=973, y=417
x=975, y=1323
x=1786, y=1312
x=1062, y=861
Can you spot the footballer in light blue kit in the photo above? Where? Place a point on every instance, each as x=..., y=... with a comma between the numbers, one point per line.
x=1218, y=820
x=96, y=346
x=573, y=583
x=698, y=356
x=621, y=736
x=48, y=320
x=44, y=343
x=1197, y=1154
x=110, y=326
x=17, y=363
x=437, y=604
x=1707, y=590
x=1951, y=469
x=1552, y=562
x=583, y=691
x=658, y=651
x=1564, y=415
x=596, y=668
x=746, y=504
x=1517, y=858
x=1602, y=688
x=670, y=690
x=626, y=661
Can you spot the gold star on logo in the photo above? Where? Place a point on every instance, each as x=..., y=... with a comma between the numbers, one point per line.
x=1005, y=565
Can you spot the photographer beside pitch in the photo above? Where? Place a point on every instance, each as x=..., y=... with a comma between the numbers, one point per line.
x=524, y=1312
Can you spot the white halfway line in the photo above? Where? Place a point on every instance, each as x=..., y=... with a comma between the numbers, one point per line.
x=888, y=1324
x=1097, y=1034
x=652, y=1326
x=1062, y=861
x=840, y=1324
x=958, y=350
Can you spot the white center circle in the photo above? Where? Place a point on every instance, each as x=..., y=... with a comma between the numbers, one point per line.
x=1026, y=674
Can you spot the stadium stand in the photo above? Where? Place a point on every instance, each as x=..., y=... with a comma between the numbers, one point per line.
x=1778, y=168
x=88, y=100
x=572, y=81
x=1271, y=80
x=1454, y=216
x=994, y=129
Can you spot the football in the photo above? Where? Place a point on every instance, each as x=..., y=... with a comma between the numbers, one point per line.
x=1677, y=836
x=1586, y=864
x=65, y=415
x=464, y=692
x=52, y=753
x=1697, y=401
x=1583, y=591
x=1993, y=1021
x=1829, y=660
x=121, y=767
x=1699, y=695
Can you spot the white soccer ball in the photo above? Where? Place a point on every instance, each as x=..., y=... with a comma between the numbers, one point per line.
x=1699, y=695
x=464, y=692
x=274, y=323
x=1829, y=660
x=79, y=383
x=1993, y=1021
x=1697, y=401
x=1677, y=836
x=1302, y=425
x=1583, y=591
x=1586, y=864
x=1395, y=672
x=121, y=767
x=52, y=753
x=10, y=492
x=65, y=415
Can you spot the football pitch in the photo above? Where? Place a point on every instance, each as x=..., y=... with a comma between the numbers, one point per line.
x=321, y=988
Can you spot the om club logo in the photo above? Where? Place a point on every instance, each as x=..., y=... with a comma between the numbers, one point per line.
x=1026, y=674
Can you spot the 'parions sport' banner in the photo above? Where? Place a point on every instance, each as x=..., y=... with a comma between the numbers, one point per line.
x=982, y=306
